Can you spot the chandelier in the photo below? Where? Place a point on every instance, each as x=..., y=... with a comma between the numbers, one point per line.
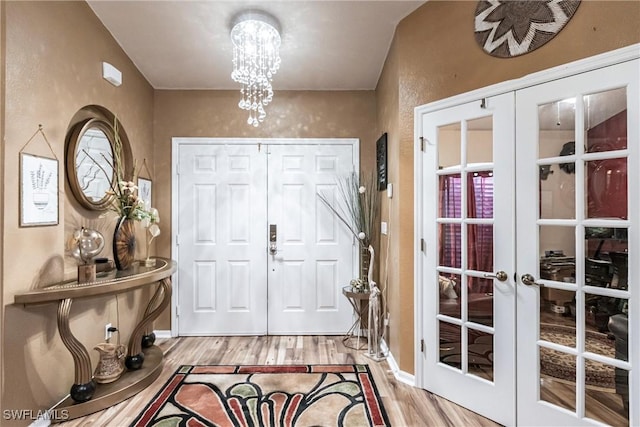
x=256, y=59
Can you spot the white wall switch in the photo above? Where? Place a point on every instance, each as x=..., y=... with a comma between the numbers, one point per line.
x=389, y=190
x=383, y=227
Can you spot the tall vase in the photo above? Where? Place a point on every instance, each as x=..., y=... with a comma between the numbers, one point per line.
x=124, y=243
x=365, y=260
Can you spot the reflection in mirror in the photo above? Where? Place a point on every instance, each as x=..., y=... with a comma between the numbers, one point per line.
x=94, y=160
x=89, y=161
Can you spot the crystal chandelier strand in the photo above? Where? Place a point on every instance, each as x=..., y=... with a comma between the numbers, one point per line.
x=256, y=59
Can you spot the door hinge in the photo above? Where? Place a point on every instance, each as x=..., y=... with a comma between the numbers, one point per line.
x=178, y=168
x=423, y=245
x=422, y=143
x=177, y=240
x=421, y=346
x=177, y=311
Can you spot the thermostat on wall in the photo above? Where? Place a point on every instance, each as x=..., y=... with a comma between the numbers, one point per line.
x=111, y=74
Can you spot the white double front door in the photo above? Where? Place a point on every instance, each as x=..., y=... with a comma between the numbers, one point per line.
x=258, y=252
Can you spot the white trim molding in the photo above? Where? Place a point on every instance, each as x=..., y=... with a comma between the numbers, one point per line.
x=399, y=375
x=163, y=334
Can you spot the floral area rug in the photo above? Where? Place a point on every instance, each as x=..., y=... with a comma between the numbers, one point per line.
x=294, y=395
x=563, y=365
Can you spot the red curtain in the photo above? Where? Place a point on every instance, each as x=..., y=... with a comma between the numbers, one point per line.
x=479, y=204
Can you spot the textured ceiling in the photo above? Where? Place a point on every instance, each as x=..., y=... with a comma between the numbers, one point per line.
x=326, y=45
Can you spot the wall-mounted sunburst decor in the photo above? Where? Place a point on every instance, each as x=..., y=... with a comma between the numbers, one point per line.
x=510, y=28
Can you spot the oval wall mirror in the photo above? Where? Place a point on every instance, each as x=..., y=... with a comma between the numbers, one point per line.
x=89, y=161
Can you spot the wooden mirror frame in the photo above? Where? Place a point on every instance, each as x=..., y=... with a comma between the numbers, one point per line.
x=74, y=138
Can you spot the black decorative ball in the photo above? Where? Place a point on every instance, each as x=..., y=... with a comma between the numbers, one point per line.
x=134, y=362
x=83, y=392
x=148, y=340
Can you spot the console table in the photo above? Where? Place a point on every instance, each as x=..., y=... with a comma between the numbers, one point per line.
x=86, y=396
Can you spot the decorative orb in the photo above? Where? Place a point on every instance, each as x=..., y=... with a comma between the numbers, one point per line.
x=88, y=244
x=361, y=236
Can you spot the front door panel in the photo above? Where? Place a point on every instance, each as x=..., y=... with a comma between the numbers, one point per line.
x=222, y=263
x=314, y=254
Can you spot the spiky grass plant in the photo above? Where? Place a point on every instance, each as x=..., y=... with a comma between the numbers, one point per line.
x=357, y=209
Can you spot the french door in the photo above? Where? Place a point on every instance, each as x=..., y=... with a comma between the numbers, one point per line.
x=551, y=199
x=257, y=250
x=577, y=227
x=468, y=262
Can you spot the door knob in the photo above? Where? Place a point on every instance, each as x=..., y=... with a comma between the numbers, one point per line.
x=499, y=275
x=529, y=280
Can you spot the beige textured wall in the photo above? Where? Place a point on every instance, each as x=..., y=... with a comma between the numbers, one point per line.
x=291, y=114
x=54, y=54
x=435, y=56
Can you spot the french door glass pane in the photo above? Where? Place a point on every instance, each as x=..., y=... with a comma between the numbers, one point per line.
x=450, y=239
x=450, y=188
x=480, y=140
x=450, y=344
x=449, y=151
x=557, y=191
x=557, y=378
x=606, y=188
x=557, y=128
x=449, y=295
x=605, y=120
x=480, y=354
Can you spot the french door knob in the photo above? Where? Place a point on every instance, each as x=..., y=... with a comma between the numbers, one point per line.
x=529, y=280
x=499, y=275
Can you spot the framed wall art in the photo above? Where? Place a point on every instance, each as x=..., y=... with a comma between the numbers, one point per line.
x=38, y=191
x=381, y=162
x=144, y=191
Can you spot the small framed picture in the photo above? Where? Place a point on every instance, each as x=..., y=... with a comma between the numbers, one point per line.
x=381, y=161
x=38, y=191
x=144, y=191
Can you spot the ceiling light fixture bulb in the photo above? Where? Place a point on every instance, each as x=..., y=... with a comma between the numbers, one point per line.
x=256, y=59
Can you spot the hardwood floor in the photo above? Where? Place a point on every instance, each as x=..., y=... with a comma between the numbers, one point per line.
x=405, y=405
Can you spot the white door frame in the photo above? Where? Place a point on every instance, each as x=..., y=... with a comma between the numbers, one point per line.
x=599, y=61
x=176, y=142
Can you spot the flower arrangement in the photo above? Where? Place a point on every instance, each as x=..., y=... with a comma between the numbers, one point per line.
x=126, y=202
x=357, y=209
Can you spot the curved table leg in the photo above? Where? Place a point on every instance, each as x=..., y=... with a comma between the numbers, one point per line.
x=149, y=337
x=135, y=356
x=83, y=386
